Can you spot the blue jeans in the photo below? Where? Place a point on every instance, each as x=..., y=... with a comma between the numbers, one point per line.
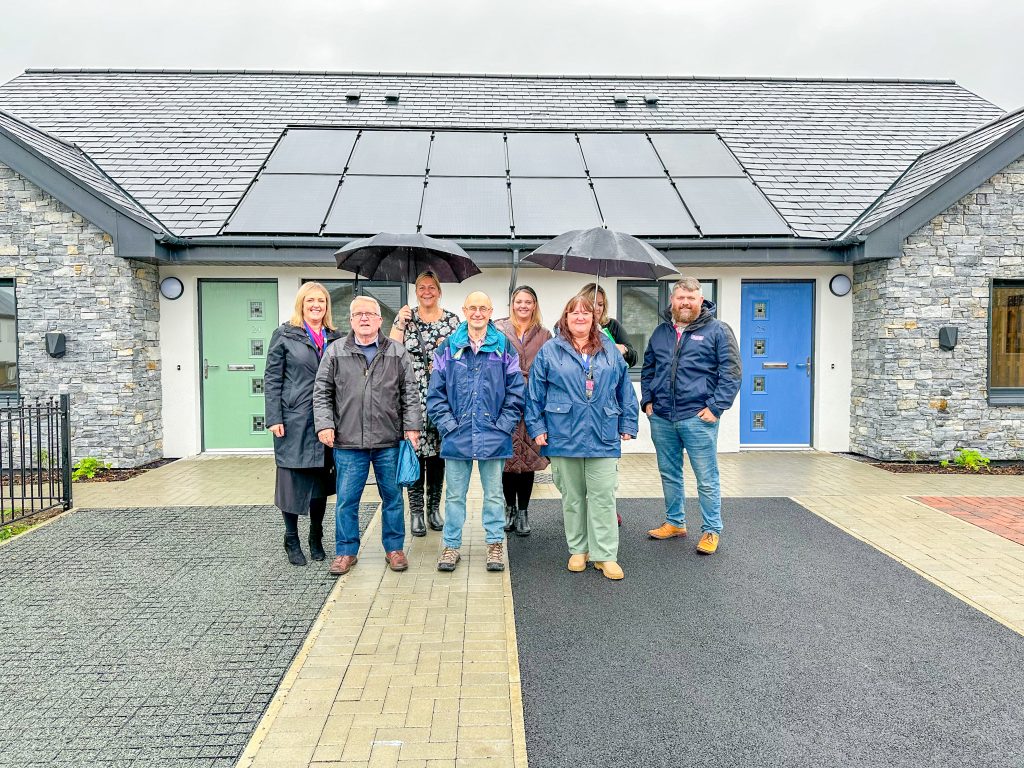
x=456, y=476
x=353, y=467
x=700, y=440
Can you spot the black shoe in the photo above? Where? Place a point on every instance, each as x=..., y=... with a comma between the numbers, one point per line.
x=294, y=549
x=316, y=541
x=435, y=521
x=522, y=522
x=416, y=527
x=510, y=517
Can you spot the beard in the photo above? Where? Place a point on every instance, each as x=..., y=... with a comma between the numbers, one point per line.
x=684, y=316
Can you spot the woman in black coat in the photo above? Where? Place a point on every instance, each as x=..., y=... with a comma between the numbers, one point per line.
x=305, y=468
x=612, y=327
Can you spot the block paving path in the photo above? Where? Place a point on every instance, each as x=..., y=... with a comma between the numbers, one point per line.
x=421, y=669
x=1003, y=515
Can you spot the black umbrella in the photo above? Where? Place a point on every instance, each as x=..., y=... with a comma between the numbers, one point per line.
x=603, y=253
x=400, y=258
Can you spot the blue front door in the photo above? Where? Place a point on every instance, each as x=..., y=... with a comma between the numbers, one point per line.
x=776, y=340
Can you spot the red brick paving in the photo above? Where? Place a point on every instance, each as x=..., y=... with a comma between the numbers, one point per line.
x=1002, y=515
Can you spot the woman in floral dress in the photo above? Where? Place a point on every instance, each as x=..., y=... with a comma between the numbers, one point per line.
x=422, y=330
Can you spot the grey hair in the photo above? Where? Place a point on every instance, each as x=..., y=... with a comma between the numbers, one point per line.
x=352, y=304
x=687, y=284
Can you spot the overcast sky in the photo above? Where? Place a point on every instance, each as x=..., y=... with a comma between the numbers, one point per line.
x=978, y=44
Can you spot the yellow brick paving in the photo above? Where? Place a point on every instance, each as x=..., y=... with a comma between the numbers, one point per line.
x=420, y=668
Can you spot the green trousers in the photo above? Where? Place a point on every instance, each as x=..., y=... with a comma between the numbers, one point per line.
x=588, y=505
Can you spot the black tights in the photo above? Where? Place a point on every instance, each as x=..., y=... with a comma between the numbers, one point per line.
x=317, y=507
x=517, y=484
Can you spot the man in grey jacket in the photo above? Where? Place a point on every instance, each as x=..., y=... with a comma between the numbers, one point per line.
x=364, y=399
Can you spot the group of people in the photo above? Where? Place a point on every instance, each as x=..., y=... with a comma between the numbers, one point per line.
x=508, y=395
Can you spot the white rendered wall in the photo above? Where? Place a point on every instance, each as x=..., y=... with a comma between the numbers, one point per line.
x=179, y=335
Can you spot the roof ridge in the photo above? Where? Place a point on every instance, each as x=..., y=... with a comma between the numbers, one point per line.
x=72, y=174
x=940, y=181
x=1003, y=117
x=496, y=75
x=40, y=131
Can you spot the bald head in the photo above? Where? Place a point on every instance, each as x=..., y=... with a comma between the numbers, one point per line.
x=477, y=308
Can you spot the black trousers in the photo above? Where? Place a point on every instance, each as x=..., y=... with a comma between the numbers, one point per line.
x=518, y=487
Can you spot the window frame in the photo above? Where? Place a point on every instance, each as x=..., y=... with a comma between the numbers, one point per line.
x=664, y=294
x=16, y=393
x=357, y=286
x=1000, y=395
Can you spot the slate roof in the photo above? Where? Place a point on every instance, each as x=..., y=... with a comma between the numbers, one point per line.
x=187, y=143
x=75, y=163
x=934, y=167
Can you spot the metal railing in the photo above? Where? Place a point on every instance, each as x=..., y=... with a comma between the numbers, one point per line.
x=35, y=457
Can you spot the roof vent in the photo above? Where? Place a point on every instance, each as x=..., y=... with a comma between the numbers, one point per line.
x=352, y=96
x=651, y=99
x=620, y=98
x=392, y=97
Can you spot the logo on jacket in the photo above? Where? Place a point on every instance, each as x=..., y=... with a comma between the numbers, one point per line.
x=695, y=337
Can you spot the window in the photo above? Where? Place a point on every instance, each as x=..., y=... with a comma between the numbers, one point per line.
x=392, y=296
x=8, y=340
x=641, y=303
x=1006, y=343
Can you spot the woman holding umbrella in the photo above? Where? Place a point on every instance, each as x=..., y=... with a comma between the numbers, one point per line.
x=422, y=330
x=526, y=334
x=580, y=406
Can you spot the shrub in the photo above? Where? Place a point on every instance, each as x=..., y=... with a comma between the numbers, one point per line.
x=88, y=468
x=968, y=458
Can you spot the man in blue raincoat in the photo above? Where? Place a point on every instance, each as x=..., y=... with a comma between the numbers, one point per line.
x=475, y=399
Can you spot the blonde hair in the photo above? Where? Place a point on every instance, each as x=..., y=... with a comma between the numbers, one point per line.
x=535, y=318
x=428, y=274
x=304, y=290
x=588, y=290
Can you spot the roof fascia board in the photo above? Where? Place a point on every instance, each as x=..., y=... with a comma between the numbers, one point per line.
x=500, y=255
x=946, y=193
x=131, y=239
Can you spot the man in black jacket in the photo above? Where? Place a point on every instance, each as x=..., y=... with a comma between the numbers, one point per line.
x=364, y=399
x=691, y=375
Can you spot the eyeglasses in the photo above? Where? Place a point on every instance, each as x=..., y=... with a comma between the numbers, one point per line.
x=363, y=315
x=477, y=310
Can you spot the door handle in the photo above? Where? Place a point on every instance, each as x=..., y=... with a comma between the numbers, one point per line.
x=806, y=365
x=775, y=365
x=248, y=367
x=207, y=367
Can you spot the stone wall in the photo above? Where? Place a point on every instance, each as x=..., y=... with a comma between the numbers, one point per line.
x=68, y=278
x=910, y=397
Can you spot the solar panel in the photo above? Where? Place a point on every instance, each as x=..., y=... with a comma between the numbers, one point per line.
x=367, y=205
x=552, y=206
x=695, y=154
x=285, y=203
x=309, y=151
x=620, y=154
x=465, y=206
x=391, y=153
x=467, y=153
x=643, y=207
x=544, y=154
x=730, y=207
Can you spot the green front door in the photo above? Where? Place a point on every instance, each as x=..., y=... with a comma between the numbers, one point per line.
x=237, y=319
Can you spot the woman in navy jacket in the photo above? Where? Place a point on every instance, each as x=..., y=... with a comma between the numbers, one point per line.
x=581, y=405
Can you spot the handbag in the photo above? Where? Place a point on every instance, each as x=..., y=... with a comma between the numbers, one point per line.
x=408, y=465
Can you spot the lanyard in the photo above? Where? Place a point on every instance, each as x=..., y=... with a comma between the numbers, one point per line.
x=588, y=361
x=318, y=339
